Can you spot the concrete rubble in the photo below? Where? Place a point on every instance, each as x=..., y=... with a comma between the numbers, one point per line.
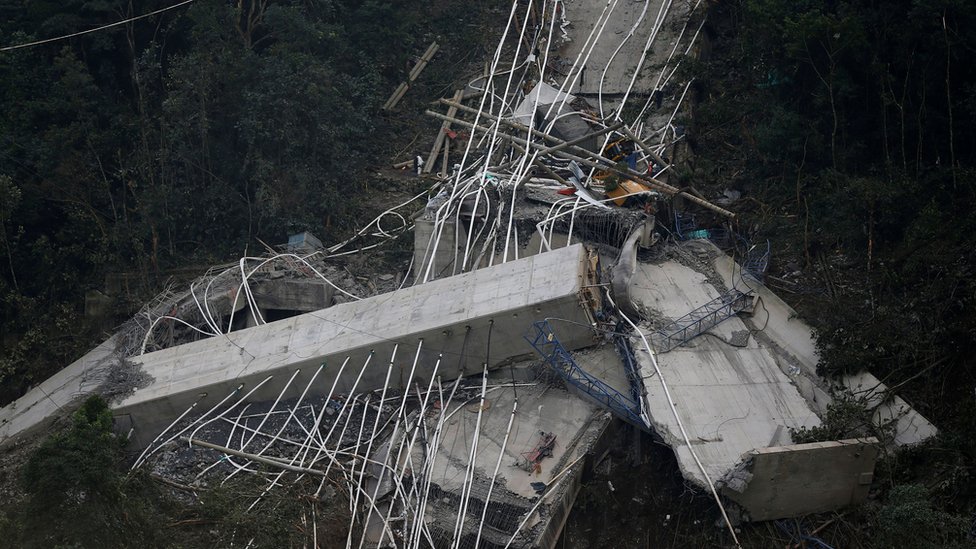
x=422, y=392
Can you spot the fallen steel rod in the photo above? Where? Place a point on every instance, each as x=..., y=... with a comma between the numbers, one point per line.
x=657, y=158
x=606, y=164
x=253, y=457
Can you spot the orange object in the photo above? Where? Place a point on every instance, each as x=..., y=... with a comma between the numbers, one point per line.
x=624, y=189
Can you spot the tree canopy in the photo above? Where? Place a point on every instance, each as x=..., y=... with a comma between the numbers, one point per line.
x=851, y=124
x=178, y=138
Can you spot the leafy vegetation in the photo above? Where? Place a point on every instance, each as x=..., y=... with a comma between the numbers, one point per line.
x=846, y=417
x=177, y=140
x=910, y=518
x=76, y=495
x=182, y=139
x=849, y=125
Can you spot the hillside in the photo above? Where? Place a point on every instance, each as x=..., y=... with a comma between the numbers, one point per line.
x=843, y=133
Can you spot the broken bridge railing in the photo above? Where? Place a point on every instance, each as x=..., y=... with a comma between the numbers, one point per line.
x=756, y=257
x=757, y=261
x=559, y=359
x=626, y=352
x=700, y=320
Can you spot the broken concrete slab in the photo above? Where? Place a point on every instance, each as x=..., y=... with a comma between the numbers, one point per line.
x=785, y=330
x=62, y=391
x=801, y=479
x=731, y=399
x=618, y=47
x=577, y=426
x=910, y=427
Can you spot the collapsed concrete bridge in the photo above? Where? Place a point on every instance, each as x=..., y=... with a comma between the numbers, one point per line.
x=425, y=398
x=455, y=318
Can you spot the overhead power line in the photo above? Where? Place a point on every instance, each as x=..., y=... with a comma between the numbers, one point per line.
x=96, y=29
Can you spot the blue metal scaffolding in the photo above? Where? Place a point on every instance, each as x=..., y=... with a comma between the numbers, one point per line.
x=561, y=361
x=757, y=261
x=699, y=320
x=630, y=364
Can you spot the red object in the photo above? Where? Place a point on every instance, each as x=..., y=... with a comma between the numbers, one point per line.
x=547, y=441
x=568, y=191
x=451, y=133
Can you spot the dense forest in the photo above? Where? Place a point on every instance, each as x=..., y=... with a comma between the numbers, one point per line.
x=182, y=138
x=162, y=146
x=851, y=127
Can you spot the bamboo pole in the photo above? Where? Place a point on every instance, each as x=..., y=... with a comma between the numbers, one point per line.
x=578, y=140
x=414, y=73
x=424, y=59
x=571, y=143
x=439, y=140
x=253, y=457
x=605, y=164
x=657, y=158
x=579, y=150
x=397, y=95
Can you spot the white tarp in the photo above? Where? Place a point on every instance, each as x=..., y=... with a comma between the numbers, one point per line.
x=546, y=95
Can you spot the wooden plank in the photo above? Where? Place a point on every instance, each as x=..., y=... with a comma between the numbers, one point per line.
x=414, y=73
x=397, y=95
x=422, y=63
x=442, y=134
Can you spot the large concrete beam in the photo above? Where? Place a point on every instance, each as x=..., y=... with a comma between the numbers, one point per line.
x=61, y=392
x=454, y=317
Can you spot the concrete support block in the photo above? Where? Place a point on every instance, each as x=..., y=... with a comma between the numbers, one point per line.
x=790, y=481
x=303, y=295
x=444, y=254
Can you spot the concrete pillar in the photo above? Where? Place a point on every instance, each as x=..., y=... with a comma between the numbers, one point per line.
x=423, y=247
x=648, y=237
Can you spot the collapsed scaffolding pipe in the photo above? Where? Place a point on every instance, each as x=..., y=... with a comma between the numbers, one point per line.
x=469, y=473
x=606, y=164
x=396, y=428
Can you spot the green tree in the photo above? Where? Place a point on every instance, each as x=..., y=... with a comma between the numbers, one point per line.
x=73, y=486
x=908, y=519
